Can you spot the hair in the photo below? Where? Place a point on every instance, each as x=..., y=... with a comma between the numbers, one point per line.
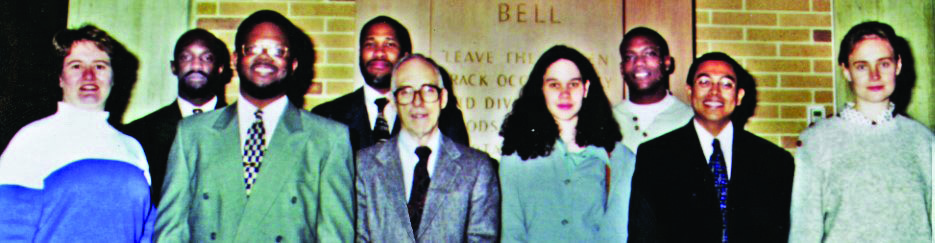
x=123, y=63
x=417, y=56
x=402, y=34
x=744, y=81
x=63, y=41
x=300, y=45
x=905, y=80
x=217, y=48
x=530, y=130
x=864, y=31
x=647, y=33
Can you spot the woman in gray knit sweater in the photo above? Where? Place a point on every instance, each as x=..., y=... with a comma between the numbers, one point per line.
x=866, y=174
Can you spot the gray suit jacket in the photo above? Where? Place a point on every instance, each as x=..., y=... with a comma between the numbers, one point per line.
x=462, y=204
x=302, y=194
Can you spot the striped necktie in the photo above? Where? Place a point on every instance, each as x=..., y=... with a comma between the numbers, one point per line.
x=381, y=130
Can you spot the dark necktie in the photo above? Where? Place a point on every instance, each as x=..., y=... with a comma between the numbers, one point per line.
x=253, y=150
x=719, y=168
x=420, y=187
x=197, y=111
x=381, y=130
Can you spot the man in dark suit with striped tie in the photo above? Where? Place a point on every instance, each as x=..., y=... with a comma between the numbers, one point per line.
x=383, y=41
x=712, y=181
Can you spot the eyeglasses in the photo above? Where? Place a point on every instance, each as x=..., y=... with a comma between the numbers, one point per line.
x=407, y=94
x=274, y=51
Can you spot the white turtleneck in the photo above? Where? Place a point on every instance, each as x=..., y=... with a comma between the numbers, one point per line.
x=69, y=135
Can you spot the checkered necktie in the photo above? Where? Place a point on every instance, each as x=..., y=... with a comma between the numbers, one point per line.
x=381, y=130
x=253, y=150
x=719, y=168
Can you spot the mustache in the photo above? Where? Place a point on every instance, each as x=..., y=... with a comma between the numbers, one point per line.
x=262, y=63
x=376, y=60
x=193, y=72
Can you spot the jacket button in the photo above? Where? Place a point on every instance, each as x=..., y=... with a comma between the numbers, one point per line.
x=567, y=181
x=645, y=135
x=205, y=196
x=213, y=236
x=294, y=199
x=564, y=222
x=278, y=238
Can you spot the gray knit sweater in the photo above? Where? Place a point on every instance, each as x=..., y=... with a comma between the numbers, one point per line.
x=858, y=182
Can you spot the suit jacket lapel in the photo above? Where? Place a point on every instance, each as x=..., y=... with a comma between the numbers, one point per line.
x=394, y=182
x=359, y=120
x=276, y=166
x=175, y=112
x=446, y=170
x=695, y=156
x=227, y=168
x=739, y=158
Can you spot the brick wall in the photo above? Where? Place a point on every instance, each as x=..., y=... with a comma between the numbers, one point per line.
x=786, y=45
x=330, y=24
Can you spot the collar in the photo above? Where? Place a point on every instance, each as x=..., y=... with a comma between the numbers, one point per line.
x=408, y=144
x=73, y=112
x=574, y=159
x=389, y=111
x=188, y=108
x=851, y=114
x=666, y=101
x=371, y=94
x=726, y=138
x=271, y=115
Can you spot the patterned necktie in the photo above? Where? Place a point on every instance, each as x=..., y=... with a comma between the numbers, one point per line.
x=253, y=150
x=381, y=131
x=719, y=168
x=197, y=111
x=420, y=187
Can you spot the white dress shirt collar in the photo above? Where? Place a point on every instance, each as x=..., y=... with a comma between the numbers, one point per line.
x=726, y=138
x=188, y=108
x=407, y=145
x=271, y=114
x=389, y=111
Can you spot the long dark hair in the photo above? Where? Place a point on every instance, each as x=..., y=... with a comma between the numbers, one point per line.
x=530, y=130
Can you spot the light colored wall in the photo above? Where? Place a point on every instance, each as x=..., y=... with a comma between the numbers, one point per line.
x=914, y=21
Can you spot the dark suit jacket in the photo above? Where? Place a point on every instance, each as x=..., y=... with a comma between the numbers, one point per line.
x=674, y=200
x=462, y=204
x=350, y=110
x=155, y=133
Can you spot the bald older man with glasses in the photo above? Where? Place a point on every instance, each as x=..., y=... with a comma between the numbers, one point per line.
x=449, y=191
